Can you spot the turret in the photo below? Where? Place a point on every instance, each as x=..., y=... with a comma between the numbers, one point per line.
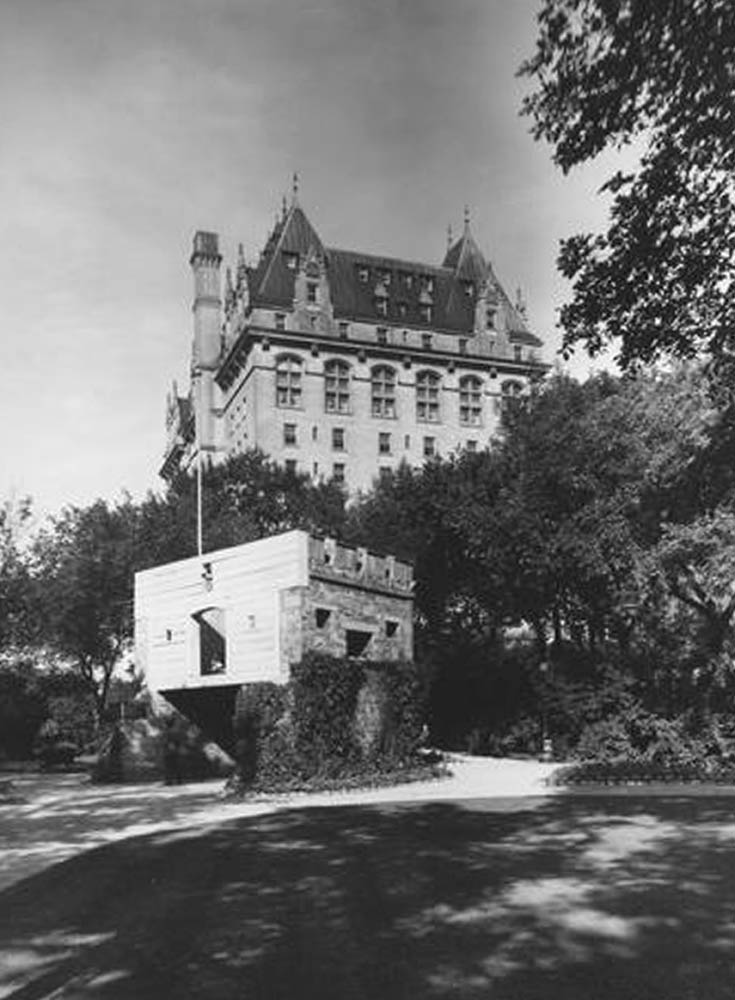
x=205, y=265
x=207, y=308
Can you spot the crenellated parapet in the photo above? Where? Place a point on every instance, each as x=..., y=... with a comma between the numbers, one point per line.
x=356, y=566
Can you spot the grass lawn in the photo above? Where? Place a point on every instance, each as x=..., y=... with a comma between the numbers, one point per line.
x=593, y=898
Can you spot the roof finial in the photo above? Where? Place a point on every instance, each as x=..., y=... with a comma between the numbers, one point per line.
x=449, y=236
x=295, y=189
x=466, y=217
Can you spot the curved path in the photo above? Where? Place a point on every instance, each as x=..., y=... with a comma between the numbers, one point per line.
x=64, y=814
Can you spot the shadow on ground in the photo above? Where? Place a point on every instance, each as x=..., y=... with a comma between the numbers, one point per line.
x=513, y=899
x=49, y=818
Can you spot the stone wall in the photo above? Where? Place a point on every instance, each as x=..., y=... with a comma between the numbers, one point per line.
x=330, y=610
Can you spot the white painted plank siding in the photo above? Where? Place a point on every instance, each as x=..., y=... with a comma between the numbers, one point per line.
x=246, y=582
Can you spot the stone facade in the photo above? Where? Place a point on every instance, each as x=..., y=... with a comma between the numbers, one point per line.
x=341, y=364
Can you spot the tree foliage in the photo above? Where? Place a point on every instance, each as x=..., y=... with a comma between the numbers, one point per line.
x=15, y=624
x=660, y=73
x=83, y=573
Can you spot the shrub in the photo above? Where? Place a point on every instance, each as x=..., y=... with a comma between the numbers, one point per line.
x=52, y=747
x=336, y=720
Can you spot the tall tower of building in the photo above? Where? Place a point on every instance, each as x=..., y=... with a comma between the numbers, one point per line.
x=207, y=347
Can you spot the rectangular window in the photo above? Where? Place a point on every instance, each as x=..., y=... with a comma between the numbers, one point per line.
x=472, y=446
x=425, y=313
x=338, y=472
x=280, y=321
x=289, y=434
x=311, y=288
x=291, y=466
x=381, y=306
x=429, y=447
x=517, y=353
x=336, y=387
x=288, y=382
x=363, y=274
x=314, y=432
x=470, y=401
x=462, y=345
x=382, y=335
x=316, y=469
x=427, y=397
x=344, y=329
x=384, y=443
x=291, y=260
x=426, y=341
x=338, y=439
x=407, y=442
x=383, y=392
x=402, y=310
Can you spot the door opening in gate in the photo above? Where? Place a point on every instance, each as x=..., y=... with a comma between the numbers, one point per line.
x=212, y=641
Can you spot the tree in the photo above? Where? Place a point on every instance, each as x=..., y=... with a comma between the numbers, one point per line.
x=245, y=498
x=15, y=624
x=662, y=73
x=83, y=573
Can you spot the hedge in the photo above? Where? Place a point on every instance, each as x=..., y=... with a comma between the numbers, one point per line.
x=337, y=721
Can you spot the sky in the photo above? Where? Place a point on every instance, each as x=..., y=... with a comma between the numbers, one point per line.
x=130, y=124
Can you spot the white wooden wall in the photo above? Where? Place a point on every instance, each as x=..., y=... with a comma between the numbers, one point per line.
x=246, y=581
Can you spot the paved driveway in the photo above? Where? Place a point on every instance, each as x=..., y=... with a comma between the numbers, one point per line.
x=517, y=899
x=63, y=815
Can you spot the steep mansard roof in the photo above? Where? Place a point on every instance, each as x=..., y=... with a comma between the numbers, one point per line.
x=453, y=295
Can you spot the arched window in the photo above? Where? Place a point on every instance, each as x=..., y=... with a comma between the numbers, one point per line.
x=383, y=391
x=470, y=401
x=288, y=381
x=336, y=387
x=427, y=396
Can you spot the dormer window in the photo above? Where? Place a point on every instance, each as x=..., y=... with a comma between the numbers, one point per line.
x=469, y=289
x=490, y=318
x=311, y=290
x=408, y=281
x=384, y=276
x=425, y=312
x=429, y=283
x=363, y=275
x=381, y=306
x=291, y=260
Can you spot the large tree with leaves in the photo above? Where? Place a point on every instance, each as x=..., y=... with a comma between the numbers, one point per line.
x=15, y=620
x=662, y=73
x=83, y=570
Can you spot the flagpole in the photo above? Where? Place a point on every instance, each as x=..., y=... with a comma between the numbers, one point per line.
x=198, y=425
